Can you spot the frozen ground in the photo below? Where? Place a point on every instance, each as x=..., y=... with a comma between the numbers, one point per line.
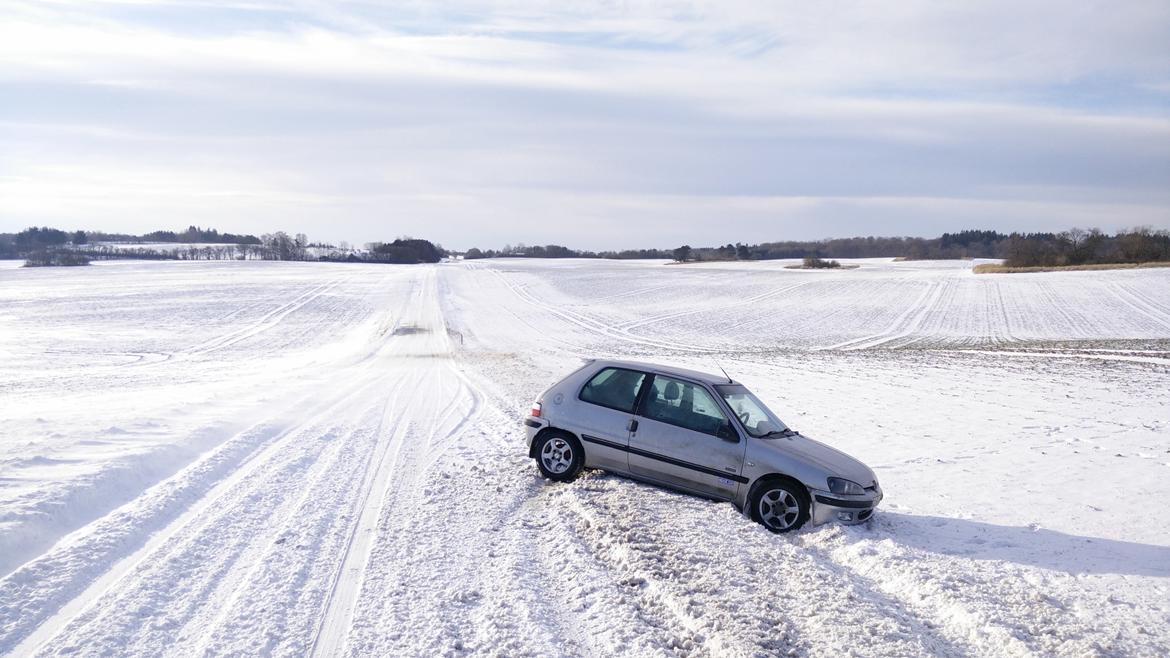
x=291, y=459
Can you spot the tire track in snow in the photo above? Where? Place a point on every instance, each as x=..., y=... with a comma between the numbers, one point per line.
x=305, y=540
x=633, y=293
x=754, y=594
x=446, y=575
x=589, y=324
x=243, y=404
x=329, y=640
x=389, y=515
x=616, y=549
x=775, y=292
x=993, y=608
x=266, y=322
x=1142, y=305
x=905, y=324
x=189, y=585
x=1001, y=306
x=622, y=332
x=1056, y=307
x=67, y=581
x=321, y=622
x=64, y=582
x=902, y=318
x=1092, y=355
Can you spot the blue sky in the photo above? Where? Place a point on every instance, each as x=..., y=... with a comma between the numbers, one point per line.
x=596, y=125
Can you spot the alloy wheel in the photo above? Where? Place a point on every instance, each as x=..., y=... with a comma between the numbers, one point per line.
x=779, y=509
x=557, y=455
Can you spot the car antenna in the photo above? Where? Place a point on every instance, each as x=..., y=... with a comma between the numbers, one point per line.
x=729, y=380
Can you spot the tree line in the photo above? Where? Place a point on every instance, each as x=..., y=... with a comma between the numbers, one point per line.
x=194, y=234
x=558, y=251
x=405, y=251
x=1086, y=247
x=1073, y=247
x=51, y=246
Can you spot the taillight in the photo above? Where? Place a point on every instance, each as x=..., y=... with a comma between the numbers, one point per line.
x=535, y=413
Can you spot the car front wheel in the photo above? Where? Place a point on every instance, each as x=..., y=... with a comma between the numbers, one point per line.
x=559, y=456
x=780, y=505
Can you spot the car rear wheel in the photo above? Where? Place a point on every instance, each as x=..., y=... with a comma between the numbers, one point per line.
x=780, y=505
x=559, y=456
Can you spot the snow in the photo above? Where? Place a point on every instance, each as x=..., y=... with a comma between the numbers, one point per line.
x=250, y=458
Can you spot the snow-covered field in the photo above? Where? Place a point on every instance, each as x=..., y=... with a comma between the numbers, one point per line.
x=253, y=458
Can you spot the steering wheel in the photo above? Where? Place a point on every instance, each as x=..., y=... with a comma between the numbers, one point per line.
x=744, y=416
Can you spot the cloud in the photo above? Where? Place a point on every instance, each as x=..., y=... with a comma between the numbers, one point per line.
x=488, y=122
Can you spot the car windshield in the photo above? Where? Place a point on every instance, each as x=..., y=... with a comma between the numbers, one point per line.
x=756, y=418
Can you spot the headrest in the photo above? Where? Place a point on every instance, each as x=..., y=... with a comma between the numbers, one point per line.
x=671, y=392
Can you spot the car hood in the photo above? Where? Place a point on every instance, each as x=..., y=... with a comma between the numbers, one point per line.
x=834, y=462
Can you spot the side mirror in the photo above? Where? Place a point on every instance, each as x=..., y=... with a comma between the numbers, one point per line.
x=727, y=433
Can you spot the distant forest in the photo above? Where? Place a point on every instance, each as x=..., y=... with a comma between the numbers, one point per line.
x=194, y=235
x=50, y=246
x=1073, y=247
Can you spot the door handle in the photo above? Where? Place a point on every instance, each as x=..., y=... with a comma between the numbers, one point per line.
x=632, y=425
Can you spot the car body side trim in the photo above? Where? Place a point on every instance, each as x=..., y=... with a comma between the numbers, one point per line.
x=663, y=458
x=604, y=442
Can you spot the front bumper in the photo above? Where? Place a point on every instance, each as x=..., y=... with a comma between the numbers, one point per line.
x=847, y=510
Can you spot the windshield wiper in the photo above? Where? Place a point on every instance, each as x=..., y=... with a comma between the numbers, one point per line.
x=784, y=433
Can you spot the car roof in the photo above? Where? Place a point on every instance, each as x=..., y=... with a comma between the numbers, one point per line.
x=684, y=373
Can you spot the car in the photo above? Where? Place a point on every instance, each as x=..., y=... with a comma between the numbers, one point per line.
x=702, y=434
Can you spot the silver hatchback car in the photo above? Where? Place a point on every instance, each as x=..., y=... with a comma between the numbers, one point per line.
x=699, y=433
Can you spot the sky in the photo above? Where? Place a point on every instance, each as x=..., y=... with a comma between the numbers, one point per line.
x=597, y=125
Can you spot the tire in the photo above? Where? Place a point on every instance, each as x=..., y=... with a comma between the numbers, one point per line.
x=779, y=504
x=559, y=456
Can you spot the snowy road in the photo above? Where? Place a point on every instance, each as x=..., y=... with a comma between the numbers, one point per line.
x=294, y=459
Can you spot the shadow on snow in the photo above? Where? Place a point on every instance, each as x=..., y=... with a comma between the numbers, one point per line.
x=1026, y=545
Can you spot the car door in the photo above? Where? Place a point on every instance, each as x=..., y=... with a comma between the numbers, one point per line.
x=605, y=415
x=683, y=438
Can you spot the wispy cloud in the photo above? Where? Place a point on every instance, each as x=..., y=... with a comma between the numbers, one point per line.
x=482, y=122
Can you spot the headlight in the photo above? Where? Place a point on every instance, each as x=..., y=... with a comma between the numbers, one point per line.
x=845, y=487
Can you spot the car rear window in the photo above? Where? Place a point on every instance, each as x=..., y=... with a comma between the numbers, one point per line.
x=616, y=388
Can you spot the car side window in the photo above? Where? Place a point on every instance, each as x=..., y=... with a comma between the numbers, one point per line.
x=684, y=404
x=616, y=388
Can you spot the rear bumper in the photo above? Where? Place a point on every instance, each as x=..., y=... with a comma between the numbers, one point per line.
x=847, y=510
x=532, y=427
